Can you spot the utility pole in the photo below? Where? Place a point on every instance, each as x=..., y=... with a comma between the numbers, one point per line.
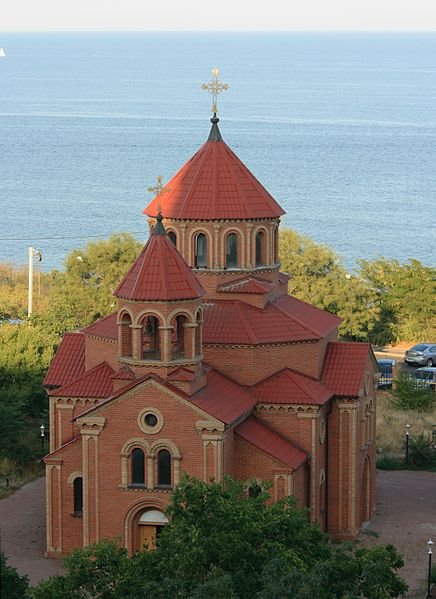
x=32, y=254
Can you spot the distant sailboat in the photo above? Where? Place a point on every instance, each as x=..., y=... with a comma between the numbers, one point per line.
x=2, y=53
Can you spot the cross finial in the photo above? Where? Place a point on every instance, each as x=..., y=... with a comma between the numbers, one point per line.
x=157, y=190
x=215, y=87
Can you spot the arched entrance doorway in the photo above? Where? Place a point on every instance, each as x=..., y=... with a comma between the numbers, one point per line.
x=149, y=525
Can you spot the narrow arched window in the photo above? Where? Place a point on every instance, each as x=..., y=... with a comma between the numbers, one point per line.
x=173, y=237
x=232, y=251
x=198, y=335
x=138, y=467
x=200, y=251
x=150, y=338
x=78, y=496
x=260, y=248
x=164, y=468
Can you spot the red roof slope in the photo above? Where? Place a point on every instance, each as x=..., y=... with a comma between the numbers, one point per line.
x=223, y=398
x=97, y=382
x=290, y=387
x=69, y=361
x=282, y=320
x=259, y=435
x=247, y=285
x=105, y=327
x=214, y=184
x=344, y=367
x=159, y=273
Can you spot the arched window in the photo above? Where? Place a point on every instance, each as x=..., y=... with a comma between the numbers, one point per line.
x=260, y=248
x=173, y=237
x=78, y=496
x=138, y=467
x=178, y=337
x=164, y=468
x=150, y=338
x=232, y=251
x=126, y=336
x=200, y=251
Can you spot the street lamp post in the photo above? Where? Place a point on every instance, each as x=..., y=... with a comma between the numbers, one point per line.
x=42, y=429
x=407, y=443
x=429, y=543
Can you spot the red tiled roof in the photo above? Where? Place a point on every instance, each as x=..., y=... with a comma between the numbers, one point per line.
x=181, y=374
x=344, y=367
x=259, y=435
x=290, y=387
x=247, y=285
x=105, y=327
x=223, y=398
x=124, y=374
x=69, y=361
x=96, y=382
x=159, y=273
x=214, y=184
x=282, y=320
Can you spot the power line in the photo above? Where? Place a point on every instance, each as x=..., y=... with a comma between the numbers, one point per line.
x=31, y=238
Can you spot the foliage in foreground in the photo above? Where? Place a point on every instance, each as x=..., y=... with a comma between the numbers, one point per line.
x=12, y=585
x=222, y=544
x=411, y=394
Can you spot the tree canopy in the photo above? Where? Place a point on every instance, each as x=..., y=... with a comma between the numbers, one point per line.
x=221, y=543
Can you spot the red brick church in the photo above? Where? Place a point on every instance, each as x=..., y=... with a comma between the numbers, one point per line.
x=208, y=367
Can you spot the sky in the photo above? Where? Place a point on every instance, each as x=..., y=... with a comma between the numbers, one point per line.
x=230, y=15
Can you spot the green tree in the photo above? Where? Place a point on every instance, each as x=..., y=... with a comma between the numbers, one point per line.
x=12, y=585
x=406, y=295
x=91, y=572
x=91, y=276
x=411, y=394
x=319, y=278
x=221, y=543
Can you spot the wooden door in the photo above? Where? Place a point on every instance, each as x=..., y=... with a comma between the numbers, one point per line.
x=146, y=536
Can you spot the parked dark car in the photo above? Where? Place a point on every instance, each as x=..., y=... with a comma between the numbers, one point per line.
x=422, y=354
x=386, y=368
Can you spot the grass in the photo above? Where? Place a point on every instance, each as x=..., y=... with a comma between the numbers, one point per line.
x=13, y=478
x=391, y=425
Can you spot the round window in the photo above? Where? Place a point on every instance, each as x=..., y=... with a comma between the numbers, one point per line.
x=150, y=420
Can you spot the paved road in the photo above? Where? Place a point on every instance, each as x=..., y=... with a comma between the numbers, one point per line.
x=406, y=517
x=22, y=532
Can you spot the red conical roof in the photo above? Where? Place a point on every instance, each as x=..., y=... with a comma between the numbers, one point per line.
x=159, y=273
x=213, y=185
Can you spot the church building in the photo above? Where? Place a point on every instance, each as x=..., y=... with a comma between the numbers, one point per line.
x=208, y=367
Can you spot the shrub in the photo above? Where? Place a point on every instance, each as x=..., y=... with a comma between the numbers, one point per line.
x=421, y=453
x=409, y=395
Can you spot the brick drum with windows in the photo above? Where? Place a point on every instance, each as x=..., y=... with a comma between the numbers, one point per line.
x=207, y=367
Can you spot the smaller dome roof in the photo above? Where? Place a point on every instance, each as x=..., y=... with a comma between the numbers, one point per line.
x=159, y=273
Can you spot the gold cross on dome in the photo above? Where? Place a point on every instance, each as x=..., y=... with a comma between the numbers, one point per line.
x=158, y=189
x=215, y=87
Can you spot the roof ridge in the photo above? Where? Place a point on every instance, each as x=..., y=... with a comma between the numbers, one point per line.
x=236, y=178
x=248, y=330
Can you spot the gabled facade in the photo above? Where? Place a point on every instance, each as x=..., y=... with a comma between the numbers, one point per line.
x=208, y=367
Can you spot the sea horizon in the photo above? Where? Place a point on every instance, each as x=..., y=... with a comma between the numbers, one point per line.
x=339, y=126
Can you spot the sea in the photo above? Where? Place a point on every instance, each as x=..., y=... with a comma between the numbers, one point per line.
x=339, y=127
